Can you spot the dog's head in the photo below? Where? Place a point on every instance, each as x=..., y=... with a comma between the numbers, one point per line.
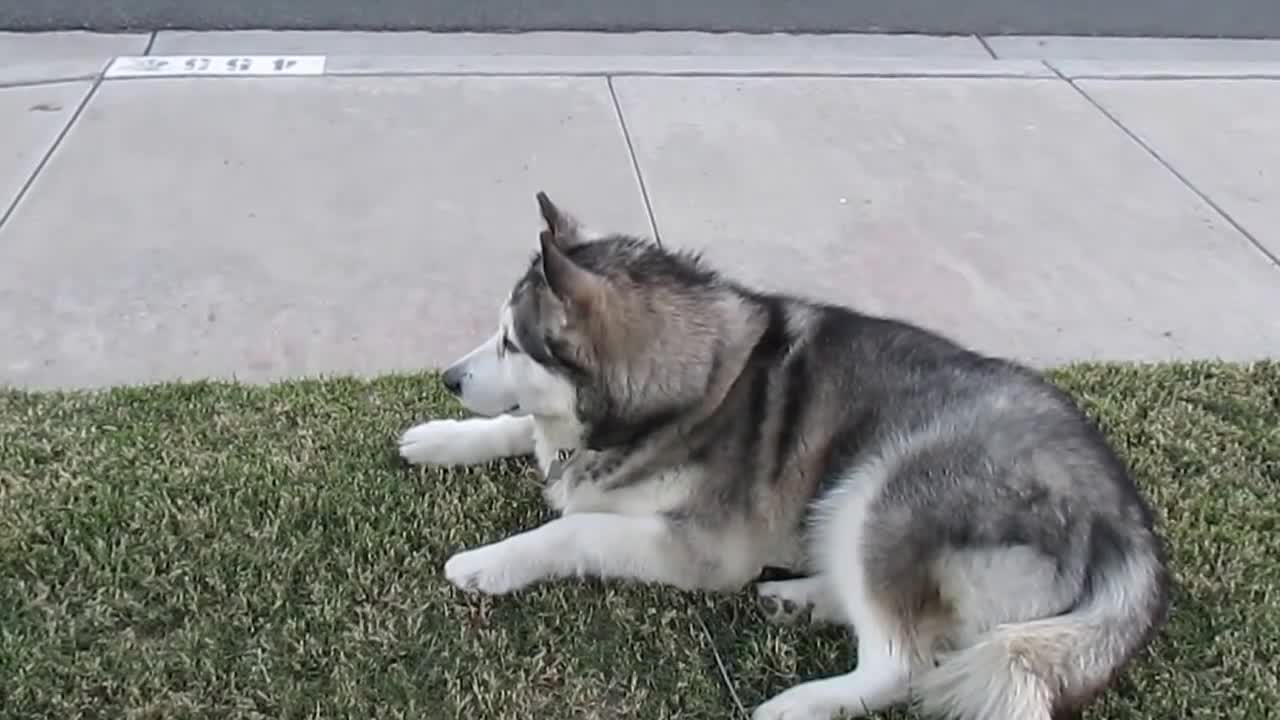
x=610, y=331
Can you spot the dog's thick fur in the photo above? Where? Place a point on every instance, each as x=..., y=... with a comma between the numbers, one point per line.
x=987, y=546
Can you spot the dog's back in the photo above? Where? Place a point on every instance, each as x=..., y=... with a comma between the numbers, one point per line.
x=967, y=516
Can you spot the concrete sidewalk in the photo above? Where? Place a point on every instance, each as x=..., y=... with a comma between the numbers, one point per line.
x=1050, y=199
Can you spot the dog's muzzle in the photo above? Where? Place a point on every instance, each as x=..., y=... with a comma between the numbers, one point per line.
x=453, y=380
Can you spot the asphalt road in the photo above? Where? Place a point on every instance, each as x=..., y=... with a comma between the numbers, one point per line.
x=1192, y=18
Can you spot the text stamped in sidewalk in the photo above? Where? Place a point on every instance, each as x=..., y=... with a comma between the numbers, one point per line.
x=215, y=65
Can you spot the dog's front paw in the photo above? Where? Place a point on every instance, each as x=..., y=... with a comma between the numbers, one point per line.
x=492, y=570
x=439, y=442
x=802, y=702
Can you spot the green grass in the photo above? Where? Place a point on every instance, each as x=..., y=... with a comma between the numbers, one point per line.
x=213, y=550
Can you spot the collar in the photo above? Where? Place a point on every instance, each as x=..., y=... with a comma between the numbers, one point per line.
x=563, y=459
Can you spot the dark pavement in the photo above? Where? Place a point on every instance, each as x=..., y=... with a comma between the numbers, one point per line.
x=1188, y=18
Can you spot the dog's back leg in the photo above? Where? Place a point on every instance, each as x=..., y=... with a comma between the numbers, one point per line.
x=786, y=602
x=881, y=680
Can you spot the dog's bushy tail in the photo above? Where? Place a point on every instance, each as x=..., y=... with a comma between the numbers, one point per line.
x=1036, y=670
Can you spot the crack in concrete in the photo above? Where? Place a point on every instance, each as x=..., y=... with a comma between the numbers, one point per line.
x=635, y=162
x=53, y=147
x=1186, y=181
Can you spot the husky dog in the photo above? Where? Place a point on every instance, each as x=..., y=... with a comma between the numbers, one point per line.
x=988, y=548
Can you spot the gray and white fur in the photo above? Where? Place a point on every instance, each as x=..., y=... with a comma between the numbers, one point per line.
x=990, y=551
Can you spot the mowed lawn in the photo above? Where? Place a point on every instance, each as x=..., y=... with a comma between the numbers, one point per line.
x=213, y=550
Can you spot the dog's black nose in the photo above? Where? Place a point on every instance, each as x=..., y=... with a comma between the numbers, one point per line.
x=453, y=380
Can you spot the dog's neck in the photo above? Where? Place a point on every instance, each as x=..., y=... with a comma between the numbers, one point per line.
x=554, y=436
x=565, y=439
x=740, y=340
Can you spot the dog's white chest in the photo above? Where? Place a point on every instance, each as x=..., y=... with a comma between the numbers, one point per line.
x=568, y=490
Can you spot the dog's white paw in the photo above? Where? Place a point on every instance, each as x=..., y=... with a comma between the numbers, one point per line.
x=802, y=702
x=439, y=442
x=492, y=570
x=784, y=602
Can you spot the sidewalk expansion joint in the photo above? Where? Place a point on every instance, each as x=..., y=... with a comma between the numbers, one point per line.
x=1186, y=181
x=986, y=46
x=44, y=82
x=764, y=74
x=635, y=162
x=53, y=147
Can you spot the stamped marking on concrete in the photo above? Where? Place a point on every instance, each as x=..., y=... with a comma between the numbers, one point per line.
x=215, y=65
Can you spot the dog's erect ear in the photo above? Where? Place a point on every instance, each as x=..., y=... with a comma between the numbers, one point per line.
x=564, y=228
x=574, y=285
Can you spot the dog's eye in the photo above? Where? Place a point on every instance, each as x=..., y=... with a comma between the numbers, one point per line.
x=508, y=346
